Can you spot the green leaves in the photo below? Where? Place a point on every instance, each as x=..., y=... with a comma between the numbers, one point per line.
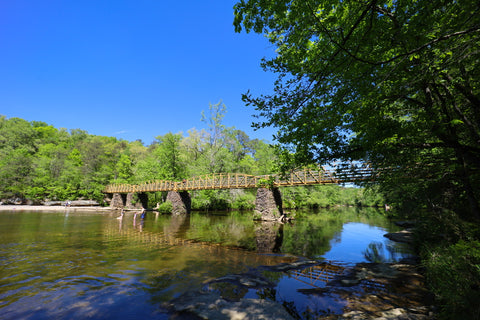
x=38, y=161
x=389, y=82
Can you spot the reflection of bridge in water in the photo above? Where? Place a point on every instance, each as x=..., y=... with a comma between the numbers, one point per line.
x=173, y=235
x=314, y=277
x=318, y=275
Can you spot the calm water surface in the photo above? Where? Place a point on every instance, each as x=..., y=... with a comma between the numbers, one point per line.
x=75, y=265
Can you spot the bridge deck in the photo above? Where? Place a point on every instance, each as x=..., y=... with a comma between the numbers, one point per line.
x=243, y=181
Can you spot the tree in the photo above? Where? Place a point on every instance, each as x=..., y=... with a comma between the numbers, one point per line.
x=123, y=169
x=169, y=154
x=216, y=153
x=17, y=133
x=394, y=83
x=16, y=166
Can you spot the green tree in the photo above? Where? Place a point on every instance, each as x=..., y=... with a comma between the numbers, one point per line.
x=216, y=155
x=123, y=169
x=395, y=83
x=169, y=153
x=265, y=157
x=15, y=171
x=17, y=133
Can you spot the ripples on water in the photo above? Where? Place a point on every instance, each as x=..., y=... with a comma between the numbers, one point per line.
x=91, y=265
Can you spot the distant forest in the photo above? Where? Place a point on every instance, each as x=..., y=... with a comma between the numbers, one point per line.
x=39, y=162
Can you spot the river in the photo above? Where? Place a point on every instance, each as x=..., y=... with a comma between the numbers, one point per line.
x=76, y=265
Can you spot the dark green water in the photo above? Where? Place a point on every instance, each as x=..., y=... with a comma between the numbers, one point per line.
x=75, y=265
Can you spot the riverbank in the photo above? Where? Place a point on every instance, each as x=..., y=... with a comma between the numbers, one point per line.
x=54, y=208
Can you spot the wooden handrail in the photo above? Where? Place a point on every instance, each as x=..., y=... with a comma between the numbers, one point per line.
x=244, y=181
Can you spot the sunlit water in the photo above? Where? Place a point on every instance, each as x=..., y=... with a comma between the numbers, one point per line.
x=75, y=265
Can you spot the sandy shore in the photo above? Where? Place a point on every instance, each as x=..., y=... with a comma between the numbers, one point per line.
x=54, y=208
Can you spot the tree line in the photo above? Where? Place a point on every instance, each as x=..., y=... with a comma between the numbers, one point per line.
x=40, y=162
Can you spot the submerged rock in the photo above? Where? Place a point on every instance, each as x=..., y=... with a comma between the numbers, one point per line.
x=404, y=236
x=210, y=305
x=250, y=280
x=366, y=291
x=222, y=298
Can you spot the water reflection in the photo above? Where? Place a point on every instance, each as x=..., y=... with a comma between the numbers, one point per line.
x=374, y=253
x=74, y=265
x=268, y=237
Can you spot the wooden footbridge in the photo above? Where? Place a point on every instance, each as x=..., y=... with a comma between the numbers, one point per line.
x=345, y=174
x=268, y=202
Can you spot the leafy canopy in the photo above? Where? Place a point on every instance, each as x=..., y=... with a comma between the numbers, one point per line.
x=395, y=83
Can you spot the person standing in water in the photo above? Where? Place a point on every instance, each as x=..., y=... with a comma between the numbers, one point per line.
x=121, y=215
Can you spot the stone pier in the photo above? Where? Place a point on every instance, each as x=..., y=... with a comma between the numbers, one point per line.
x=181, y=202
x=118, y=201
x=129, y=204
x=268, y=204
x=136, y=200
x=129, y=201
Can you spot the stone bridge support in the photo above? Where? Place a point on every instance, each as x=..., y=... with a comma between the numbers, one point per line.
x=118, y=201
x=268, y=204
x=128, y=201
x=129, y=204
x=136, y=201
x=181, y=202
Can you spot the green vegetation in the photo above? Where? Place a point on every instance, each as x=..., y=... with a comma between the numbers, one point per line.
x=39, y=162
x=395, y=84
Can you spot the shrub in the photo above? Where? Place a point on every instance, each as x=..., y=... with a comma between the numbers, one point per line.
x=453, y=275
x=165, y=207
x=245, y=201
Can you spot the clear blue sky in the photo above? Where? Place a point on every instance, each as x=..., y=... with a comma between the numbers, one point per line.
x=133, y=69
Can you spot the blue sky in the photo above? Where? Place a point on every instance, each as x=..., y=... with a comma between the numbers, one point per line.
x=129, y=69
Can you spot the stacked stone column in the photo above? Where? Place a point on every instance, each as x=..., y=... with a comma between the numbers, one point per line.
x=268, y=204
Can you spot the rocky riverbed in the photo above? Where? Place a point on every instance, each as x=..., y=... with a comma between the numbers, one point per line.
x=380, y=291
x=366, y=291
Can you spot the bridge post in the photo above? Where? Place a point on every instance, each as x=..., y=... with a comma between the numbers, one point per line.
x=130, y=202
x=118, y=201
x=181, y=202
x=268, y=204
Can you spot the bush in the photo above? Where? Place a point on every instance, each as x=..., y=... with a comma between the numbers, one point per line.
x=165, y=207
x=245, y=201
x=211, y=200
x=453, y=275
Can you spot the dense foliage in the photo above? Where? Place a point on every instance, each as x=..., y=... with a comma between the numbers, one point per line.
x=391, y=83
x=394, y=83
x=39, y=162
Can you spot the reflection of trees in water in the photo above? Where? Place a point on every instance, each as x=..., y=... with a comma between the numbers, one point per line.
x=312, y=237
x=375, y=253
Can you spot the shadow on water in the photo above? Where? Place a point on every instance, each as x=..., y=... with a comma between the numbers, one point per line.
x=76, y=265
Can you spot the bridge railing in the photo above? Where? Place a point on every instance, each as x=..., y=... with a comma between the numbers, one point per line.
x=341, y=174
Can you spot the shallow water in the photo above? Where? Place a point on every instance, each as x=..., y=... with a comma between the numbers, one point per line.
x=93, y=265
